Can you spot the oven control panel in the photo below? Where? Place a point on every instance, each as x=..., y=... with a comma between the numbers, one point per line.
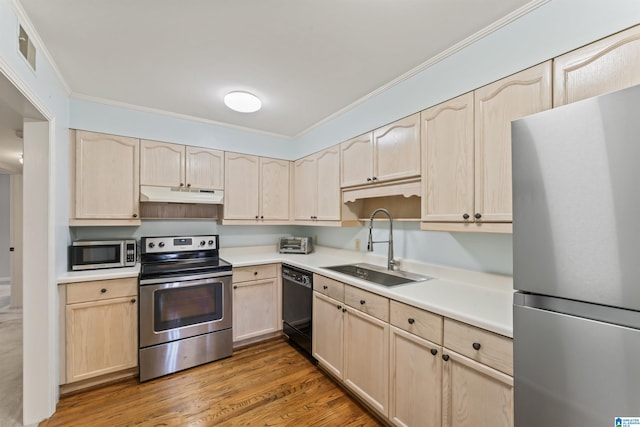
x=179, y=244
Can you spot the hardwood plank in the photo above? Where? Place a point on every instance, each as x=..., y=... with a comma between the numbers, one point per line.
x=267, y=384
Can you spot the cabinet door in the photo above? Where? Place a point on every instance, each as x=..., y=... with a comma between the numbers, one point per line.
x=102, y=337
x=366, y=358
x=106, y=176
x=605, y=66
x=447, y=138
x=475, y=395
x=161, y=164
x=496, y=105
x=241, y=186
x=255, y=308
x=274, y=189
x=328, y=333
x=357, y=160
x=416, y=381
x=305, y=188
x=396, y=149
x=328, y=206
x=204, y=168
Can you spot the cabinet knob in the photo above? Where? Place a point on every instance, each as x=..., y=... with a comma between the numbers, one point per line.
x=135, y=215
x=375, y=178
x=445, y=357
x=256, y=216
x=133, y=300
x=476, y=346
x=344, y=309
x=362, y=302
x=478, y=215
x=411, y=320
x=434, y=351
x=325, y=287
x=182, y=184
x=255, y=273
x=261, y=216
x=235, y=286
x=465, y=216
x=188, y=185
x=339, y=306
x=368, y=179
x=103, y=290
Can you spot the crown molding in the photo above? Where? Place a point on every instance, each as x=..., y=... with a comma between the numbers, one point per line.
x=120, y=104
x=504, y=21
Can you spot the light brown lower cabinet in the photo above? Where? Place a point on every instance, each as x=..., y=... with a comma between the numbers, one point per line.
x=412, y=367
x=366, y=358
x=256, y=301
x=415, y=380
x=101, y=328
x=475, y=394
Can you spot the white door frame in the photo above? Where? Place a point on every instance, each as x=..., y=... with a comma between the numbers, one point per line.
x=16, y=240
x=40, y=319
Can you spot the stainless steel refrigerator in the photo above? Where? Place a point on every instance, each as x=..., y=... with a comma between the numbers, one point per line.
x=576, y=255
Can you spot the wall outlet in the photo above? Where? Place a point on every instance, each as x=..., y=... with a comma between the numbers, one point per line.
x=357, y=244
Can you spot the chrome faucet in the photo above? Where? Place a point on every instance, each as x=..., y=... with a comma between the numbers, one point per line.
x=391, y=263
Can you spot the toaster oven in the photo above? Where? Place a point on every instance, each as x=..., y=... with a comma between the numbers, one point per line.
x=295, y=245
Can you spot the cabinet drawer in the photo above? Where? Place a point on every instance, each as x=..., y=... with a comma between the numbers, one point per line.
x=254, y=272
x=372, y=304
x=101, y=289
x=493, y=350
x=416, y=321
x=329, y=287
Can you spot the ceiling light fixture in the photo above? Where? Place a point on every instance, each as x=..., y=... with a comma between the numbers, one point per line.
x=243, y=102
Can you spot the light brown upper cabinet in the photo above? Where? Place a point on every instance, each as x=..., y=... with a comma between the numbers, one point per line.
x=605, y=66
x=467, y=149
x=256, y=188
x=317, y=186
x=448, y=177
x=106, y=172
x=495, y=106
x=389, y=153
x=173, y=165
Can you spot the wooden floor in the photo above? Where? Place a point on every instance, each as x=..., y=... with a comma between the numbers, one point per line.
x=268, y=384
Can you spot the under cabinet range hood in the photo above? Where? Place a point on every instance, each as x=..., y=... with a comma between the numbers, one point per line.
x=180, y=195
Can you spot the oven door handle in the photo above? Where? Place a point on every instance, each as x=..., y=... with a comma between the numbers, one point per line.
x=187, y=278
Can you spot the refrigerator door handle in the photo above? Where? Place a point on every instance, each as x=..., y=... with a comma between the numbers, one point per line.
x=601, y=313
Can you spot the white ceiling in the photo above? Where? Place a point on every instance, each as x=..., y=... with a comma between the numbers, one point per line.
x=306, y=60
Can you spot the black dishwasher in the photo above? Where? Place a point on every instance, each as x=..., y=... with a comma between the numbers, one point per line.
x=297, y=294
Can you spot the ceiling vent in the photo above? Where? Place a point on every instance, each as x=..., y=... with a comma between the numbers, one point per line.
x=26, y=47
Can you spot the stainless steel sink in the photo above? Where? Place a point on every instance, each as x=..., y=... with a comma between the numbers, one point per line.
x=378, y=275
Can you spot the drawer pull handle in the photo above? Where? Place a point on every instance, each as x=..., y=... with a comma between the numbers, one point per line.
x=411, y=320
x=476, y=346
x=344, y=310
x=325, y=287
x=362, y=302
x=339, y=306
x=434, y=351
x=103, y=290
x=133, y=300
x=445, y=357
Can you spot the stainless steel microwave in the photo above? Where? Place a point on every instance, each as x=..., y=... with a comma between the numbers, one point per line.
x=96, y=254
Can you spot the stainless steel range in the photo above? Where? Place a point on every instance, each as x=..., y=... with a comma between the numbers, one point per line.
x=185, y=304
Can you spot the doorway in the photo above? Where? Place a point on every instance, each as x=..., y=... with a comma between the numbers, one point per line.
x=24, y=137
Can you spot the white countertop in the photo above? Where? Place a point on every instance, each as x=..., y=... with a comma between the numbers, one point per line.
x=103, y=274
x=481, y=299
